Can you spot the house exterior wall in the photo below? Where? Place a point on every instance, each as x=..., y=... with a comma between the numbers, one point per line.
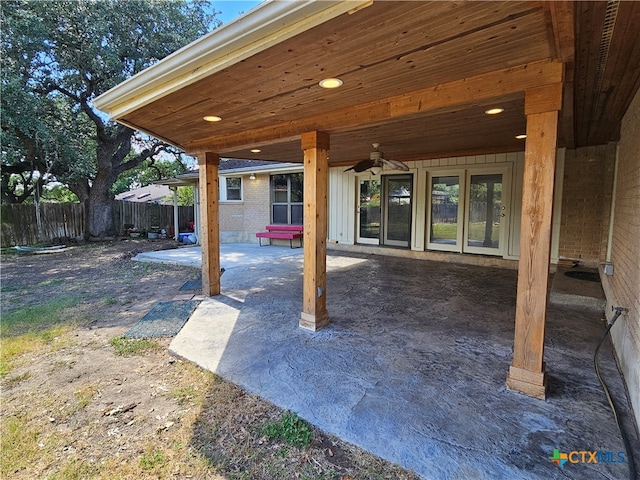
x=343, y=189
x=623, y=287
x=587, y=186
x=239, y=221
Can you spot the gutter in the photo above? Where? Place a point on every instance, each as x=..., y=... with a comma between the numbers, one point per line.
x=266, y=25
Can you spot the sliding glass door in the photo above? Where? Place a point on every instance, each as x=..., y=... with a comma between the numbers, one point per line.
x=468, y=210
x=369, y=211
x=397, y=210
x=446, y=214
x=485, y=211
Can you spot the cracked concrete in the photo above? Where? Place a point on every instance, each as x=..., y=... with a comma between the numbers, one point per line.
x=413, y=365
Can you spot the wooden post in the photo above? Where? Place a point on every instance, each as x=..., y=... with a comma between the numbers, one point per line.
x=314, y=315
x=176, y=227
x=527, y=372
x=210, y=228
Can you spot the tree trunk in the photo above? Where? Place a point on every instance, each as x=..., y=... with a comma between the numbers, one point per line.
x=100, y=211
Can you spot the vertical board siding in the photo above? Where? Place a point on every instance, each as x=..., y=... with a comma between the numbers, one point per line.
x=64, y=221
x=342, y=205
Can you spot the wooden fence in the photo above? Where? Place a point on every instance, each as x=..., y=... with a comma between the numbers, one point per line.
x=62, y=221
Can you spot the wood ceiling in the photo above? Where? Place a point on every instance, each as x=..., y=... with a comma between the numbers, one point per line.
x=388, y=49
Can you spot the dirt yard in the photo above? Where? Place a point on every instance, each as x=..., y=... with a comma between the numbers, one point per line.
x=79, y=401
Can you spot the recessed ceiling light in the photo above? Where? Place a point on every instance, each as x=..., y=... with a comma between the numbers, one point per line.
x=255, y=150
x=212, y=118
x=494, y=111
x=522, y=136
x=331, y=83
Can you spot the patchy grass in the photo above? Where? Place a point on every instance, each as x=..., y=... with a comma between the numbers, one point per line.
x=32, y=328
x=110, y=300
x=40, y=317
x=152, y=461
x=18, y=445
x=76, y=470
x=291, y=428
x=4, y=288
x=187, y=395
x=127, y=347
x=23, y=444
x=16, y=379
x=85, y=395
x=51, y=282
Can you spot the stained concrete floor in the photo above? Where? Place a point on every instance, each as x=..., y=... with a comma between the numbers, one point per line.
x=413, y=365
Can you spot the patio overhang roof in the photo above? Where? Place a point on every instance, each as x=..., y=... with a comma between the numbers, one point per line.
x=417, y=76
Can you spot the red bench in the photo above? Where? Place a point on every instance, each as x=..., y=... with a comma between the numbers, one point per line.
x=282, y=232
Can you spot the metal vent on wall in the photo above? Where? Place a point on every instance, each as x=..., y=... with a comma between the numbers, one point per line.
x=605, y=42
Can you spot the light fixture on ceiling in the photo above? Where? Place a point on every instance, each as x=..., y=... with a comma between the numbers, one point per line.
x=522, y=136
x=252, y=176
x=212, y=118
x=494, y=111
x=255, y=150
x=331, y=83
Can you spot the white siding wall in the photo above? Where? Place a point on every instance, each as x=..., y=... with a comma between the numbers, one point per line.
x=342, y=198
x=342, y=206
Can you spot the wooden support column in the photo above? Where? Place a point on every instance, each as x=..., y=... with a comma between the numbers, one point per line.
x=176, y=228
x=209, y=223
x=527, y=372
x=314, y=315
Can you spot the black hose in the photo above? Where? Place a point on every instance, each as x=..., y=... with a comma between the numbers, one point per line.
x=625, y=440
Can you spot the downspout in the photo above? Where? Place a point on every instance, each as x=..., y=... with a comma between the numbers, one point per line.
x=613, y=210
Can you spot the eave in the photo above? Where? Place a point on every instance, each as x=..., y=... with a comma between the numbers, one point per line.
x=264, y=26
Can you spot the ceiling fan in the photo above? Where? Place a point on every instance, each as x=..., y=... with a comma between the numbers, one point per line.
x=376, y=163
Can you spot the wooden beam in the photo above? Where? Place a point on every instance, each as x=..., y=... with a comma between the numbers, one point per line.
x=563, y=29
x=314, y=315
x=209, y=223
x=459, y=92
x=526, y=374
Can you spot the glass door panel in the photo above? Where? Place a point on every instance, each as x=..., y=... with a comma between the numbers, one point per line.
x=484, y=213
x=445, y=232
x=397, y=220
x=369, y=212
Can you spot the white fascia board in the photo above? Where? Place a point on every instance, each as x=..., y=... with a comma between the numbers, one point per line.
x=266, y=25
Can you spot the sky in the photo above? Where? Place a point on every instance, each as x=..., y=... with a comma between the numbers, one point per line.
x=232, y=9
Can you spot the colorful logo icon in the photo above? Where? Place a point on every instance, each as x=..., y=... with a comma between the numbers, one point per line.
x=559, y=458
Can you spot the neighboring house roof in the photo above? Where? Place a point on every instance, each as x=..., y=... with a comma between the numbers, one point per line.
x=150, y=194
x=233, y=166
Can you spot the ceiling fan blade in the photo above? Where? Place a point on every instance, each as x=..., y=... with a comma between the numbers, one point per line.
x=362, y=166
x=396, y=165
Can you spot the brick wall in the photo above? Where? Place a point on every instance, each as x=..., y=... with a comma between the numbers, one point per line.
x=623, y=287
x=586, y=200
x=257, y=204
x=239, y=222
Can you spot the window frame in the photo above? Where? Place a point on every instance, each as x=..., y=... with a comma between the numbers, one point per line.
x=224, y=189
x=288, y=203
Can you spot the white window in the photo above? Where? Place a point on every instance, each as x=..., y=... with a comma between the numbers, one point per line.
x=231, y=189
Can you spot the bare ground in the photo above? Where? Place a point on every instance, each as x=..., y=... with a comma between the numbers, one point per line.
x=74, y=408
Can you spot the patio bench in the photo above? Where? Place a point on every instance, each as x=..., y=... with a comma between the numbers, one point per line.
x=282, y=232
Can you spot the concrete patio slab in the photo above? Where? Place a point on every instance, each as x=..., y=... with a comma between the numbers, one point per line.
x=413, y=365
x=231, y=255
